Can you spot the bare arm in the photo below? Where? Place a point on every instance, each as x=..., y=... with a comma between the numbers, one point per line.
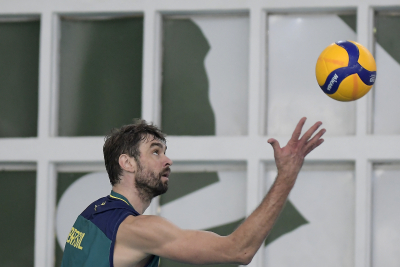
x=155, y=235
x=289, y=161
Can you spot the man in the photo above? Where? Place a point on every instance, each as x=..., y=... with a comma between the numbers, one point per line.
x=112, y=231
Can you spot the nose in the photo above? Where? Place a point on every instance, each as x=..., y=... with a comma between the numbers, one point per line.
x=168, y=161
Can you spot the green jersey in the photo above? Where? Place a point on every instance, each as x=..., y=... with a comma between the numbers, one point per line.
x=92, y=238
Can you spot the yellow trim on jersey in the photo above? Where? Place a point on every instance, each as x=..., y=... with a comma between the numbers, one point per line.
x=120, y=199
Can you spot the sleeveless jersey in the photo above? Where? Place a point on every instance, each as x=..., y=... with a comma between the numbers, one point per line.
x=92, y=238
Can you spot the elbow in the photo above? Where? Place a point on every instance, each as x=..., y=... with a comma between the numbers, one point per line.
x=245, y=258
x=240, y=253
x=240, y=258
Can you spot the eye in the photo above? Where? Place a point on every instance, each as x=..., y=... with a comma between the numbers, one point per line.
x=155, y=152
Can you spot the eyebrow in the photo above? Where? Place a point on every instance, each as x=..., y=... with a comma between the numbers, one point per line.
x=159, y=145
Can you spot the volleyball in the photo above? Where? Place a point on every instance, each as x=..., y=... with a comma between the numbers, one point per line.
x=345, y=71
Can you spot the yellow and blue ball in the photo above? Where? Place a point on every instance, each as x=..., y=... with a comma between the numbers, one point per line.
x=345, y=71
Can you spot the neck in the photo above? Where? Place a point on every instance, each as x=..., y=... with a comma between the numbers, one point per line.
x=133, y=196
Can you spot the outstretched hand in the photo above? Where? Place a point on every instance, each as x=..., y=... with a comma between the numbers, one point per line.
x=289, y=159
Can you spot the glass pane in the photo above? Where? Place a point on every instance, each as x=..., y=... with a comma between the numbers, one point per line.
x=387, y=56
x=205, y=75
x=386, y=218
x=17, y=223
x=100, y=75
x=294, y=44
x=193, y=201
x=316, y=227
x=19, y=71
x=75, y=191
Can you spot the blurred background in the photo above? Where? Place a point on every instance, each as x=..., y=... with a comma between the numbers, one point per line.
x=219, y=78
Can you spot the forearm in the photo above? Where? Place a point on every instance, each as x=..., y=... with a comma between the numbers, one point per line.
x=250, y=235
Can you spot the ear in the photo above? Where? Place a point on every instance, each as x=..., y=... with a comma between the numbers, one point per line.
x=127, y=163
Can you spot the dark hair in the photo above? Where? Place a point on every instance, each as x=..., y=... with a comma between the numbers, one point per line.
x=126, y=140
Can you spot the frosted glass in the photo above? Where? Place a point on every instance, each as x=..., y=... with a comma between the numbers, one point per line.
x=17, y=223
x=220, y=202
x=100, y=75
x=324, y=196
x=386, y=216
x=205, y=75
x=19, y=72
x=386, y=92
x=294, y=44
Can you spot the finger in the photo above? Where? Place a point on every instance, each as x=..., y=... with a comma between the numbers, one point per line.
x=316, y=137
x=315, y=141
x=315, y=145
x=310, y=132
x=274, y=143
x=297, y=130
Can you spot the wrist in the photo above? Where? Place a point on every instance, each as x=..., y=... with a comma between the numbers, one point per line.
x=287, y=178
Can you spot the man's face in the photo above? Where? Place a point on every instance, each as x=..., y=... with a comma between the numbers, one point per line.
x=152, y=168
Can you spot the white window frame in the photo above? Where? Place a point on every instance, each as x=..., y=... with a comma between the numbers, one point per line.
x=47, y=150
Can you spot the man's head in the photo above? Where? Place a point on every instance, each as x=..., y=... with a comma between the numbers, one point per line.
x=127, y=140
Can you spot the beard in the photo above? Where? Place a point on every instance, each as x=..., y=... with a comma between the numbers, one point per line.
x=149, y=184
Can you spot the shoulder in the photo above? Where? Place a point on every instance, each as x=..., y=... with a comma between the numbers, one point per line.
x=93, y=207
